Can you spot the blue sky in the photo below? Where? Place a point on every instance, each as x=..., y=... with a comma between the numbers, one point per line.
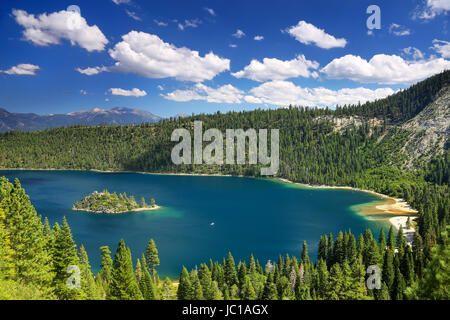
x=171, y=57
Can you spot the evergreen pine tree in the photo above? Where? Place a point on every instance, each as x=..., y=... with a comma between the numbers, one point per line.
x=358, y=285
x=230, y=271
x=391, y=240
x=398, y=285
x=88, y=284
x=138, y=271
x=338, y=250
x=248, y=292
x=167, y=289
x=383, y=293
x=105, y=273
x=25, y=236
x=323, y=248
x=336, y=282
x=6, y=252
x=330, y=250
x=388, y=272
x=305, y=256
x=185, y=290
x=270, y=289
x=152, y=258
x=197, y=290
x=351, y=252
x=65, y=256
x=382, y=242
x=417, y=246
x=123, y=281
x=147, y=286
x=204, y=276
x=360, y=247
x=401, y=242
x=436, y=276
x=407, y=267
x=322, y=279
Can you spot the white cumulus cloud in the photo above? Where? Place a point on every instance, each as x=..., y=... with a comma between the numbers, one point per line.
x=284, y=93
x=121, y=1
x=224, y=94
x=399, y=30
x=384, y=69
x=414, y=52
x=239, y=34
x=91, y=70
x=258, y=38
x=210, y=11
x=280, y=93
x=307, y=33
x=161, y=23
x=189, y=24
x=439, y=4
x=128, y=93
x=133, y=15
x=47, y=29
x=23, y=69
x=147, y=55
x=275, y=69
x=442, y=47
x=433, y=8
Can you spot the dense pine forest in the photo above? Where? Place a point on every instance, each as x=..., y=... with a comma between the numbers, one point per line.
x=367, y=153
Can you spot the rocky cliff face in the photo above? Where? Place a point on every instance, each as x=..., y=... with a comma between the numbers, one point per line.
x=429, y=130
x=427, y=133
x=342, y=123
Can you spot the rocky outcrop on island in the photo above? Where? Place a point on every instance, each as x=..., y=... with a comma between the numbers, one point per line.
x=111, y=203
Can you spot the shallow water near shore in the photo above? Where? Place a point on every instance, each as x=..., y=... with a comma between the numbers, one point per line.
x=201, y=217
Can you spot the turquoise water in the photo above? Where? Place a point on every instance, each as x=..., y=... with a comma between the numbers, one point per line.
x=258, y=216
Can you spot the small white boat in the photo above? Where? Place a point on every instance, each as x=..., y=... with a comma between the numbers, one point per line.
x=211, y=224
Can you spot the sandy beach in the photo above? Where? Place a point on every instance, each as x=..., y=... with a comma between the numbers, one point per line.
x=396, y=206
x=401, y=221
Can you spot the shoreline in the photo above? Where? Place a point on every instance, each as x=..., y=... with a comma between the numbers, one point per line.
x=127, y=171
x=401, y=221
x=389, y=205
x=386, y=205
x=156, y=207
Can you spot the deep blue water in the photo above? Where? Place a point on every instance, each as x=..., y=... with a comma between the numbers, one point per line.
x=258, y=216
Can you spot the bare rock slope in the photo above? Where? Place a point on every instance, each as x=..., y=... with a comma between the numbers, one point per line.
x=429, y=129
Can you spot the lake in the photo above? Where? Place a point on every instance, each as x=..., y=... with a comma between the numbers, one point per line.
x=202, y=217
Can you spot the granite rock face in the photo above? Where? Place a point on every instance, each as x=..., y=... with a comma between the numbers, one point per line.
x=429, y=129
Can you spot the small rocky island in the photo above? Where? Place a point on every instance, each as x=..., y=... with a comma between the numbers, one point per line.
x=111, y=203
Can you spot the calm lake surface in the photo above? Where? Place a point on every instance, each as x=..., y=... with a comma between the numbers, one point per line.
x=258, y=216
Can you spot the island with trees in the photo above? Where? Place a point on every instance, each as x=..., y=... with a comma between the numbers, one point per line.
x=112, y=203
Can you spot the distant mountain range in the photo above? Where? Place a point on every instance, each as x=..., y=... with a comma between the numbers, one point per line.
x=31, y=121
